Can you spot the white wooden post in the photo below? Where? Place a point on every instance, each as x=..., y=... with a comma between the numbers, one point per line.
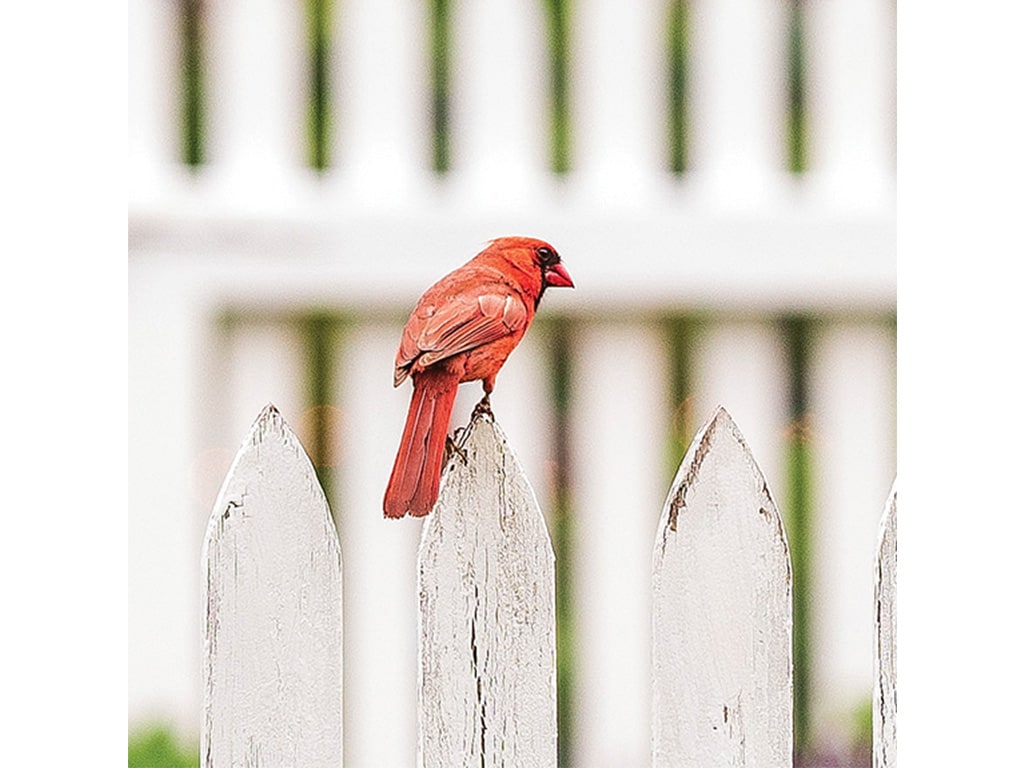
x=723, y=672
x=257, y=105
x=152, y=118
x=487, y=614
x=619, y=391
x=379, y=67
x=167, y=333
x=498, y=103
x=738, y=94
x=620, y=130
x=380, y=555
x=272, y=600
x=852, y=399
x=851, y=94
x=884, y=707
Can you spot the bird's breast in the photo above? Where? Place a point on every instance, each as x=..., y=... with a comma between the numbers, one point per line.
x=485, y=361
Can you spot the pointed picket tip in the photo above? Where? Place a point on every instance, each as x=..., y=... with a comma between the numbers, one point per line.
x=884, y=698
x=270, y=430
x=719, y=434
x=272, y=598
x=484, y=439
x=722, y=612
x=487, y=613
x=269, y=414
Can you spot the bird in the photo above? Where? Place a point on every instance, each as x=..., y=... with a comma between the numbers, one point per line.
x=462, y=329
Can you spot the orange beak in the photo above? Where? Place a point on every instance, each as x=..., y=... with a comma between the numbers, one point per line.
x=557, y=277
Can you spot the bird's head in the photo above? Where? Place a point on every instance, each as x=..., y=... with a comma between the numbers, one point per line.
x=535, y=259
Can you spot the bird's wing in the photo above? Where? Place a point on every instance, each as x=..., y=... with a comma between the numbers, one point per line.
x=461, y=323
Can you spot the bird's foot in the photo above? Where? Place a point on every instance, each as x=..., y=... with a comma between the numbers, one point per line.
x=451, y=448
x=483, y=407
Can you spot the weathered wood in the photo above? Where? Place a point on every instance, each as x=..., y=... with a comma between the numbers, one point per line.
x=723, y=675
x=272, y=598
x=884, y=708
x=487, y=614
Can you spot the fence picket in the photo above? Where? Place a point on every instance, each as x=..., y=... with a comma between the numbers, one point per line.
x=380, y=556
x=498, y=119
x=852, y=402
x=272, y=597
x=257, y=103
x=851, y=94
x=153, y=141
x=620, y=113
x=487, y=614
x=382, y=149
x=723, y=675
x=617, y=482
x=884, y=707
x=738, y=98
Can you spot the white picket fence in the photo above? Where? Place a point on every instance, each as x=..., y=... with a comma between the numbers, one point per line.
x=234, y=267
x=722, y=614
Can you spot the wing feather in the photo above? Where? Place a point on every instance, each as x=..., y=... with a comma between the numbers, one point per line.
x=464, y=322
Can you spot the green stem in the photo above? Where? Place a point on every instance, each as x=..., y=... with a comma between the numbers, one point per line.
x=440, y=58
x=193, y=84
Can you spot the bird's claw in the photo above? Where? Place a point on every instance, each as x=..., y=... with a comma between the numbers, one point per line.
x=483, y=407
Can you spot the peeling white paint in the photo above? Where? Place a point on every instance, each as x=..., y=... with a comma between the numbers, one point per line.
x=487, y=614
x=272, y=624
x=723, y=671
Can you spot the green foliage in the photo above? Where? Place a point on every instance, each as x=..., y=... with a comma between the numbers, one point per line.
x=863, y=736
x=797, y=112
x=800, y=505
x=678, y=40
x=318, y=18
x=558, y=51
x=157, y=746
x=681, y=332
x=440, y=76
x=193, y=83
x=560, y=334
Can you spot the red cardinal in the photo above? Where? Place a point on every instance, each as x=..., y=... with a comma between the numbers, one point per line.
x=462, y=329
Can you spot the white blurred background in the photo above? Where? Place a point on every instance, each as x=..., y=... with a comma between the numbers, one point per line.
x=719, y=179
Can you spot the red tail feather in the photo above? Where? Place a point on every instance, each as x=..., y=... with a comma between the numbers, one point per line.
x=417, y=472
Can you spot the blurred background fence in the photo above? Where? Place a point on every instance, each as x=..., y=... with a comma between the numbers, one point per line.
x=718, y=177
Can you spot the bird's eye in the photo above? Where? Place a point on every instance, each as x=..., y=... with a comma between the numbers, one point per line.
x=547, y=256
